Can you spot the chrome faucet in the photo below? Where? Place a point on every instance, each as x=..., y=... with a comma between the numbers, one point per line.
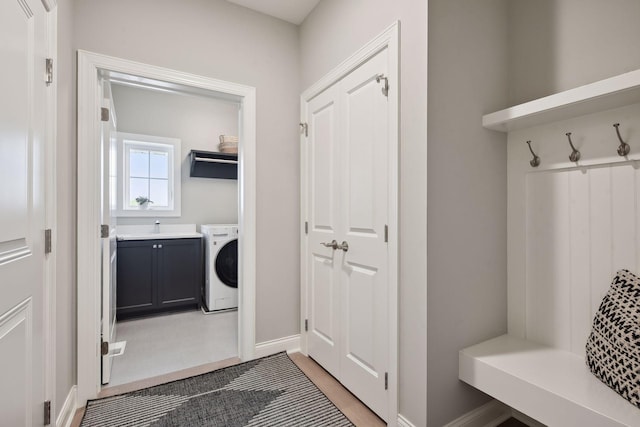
x=156, y=227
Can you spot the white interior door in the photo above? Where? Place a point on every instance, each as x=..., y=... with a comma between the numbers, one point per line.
x=22, y=139
x=349, y=202
x=364, y=207
x=108, y=146
x=323, y=185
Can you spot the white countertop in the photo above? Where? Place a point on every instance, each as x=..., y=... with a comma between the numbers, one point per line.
x=165, y=231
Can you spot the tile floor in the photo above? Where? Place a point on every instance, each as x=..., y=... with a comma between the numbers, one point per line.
x=163, y=344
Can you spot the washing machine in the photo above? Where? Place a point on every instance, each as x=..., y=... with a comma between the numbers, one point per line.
x=221, y=266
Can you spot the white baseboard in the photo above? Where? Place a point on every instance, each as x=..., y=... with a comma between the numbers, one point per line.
x=289, y=344
x=490, y=414
x=68, y=410
x=403, y=422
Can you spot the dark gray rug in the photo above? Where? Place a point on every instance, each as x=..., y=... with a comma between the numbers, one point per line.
x=271, y=391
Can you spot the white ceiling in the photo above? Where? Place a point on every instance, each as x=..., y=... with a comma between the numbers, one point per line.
x=293, y=11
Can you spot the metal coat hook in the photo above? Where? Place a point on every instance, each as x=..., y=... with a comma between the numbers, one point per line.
x=575, y=154
x=623, y=148
x=535, y=162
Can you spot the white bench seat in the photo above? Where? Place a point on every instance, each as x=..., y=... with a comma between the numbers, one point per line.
x=552, y=386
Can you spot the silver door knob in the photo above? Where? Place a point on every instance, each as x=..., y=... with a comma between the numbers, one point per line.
x=344, y=246
x=333, y=245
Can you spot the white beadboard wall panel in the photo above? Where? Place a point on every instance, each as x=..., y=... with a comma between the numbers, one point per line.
x=600, y=228
x=548, y=292
x=570, y=227
x=623, y=214
x=580, y=256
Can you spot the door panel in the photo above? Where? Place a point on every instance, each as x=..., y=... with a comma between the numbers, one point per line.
x=178, y=273
x=364, y=139
x=108, y=148
x=22, y=132
x=323, y=278
x=323, y=175
x=135, y=276
x=348, y=177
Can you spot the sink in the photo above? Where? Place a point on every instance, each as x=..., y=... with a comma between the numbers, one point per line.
x=146, y=232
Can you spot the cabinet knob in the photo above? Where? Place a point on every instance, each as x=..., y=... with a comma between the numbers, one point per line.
x=159, y=246
x=155, y=246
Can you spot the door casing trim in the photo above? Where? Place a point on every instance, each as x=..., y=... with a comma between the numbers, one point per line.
x=88, y=269
x=388, y=39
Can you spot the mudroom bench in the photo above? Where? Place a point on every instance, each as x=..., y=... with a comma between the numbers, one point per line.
x=552, y=386
x=573, y=178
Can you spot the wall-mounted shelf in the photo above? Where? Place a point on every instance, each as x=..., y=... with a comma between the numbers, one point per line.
x=603, y=95
x=209, y=164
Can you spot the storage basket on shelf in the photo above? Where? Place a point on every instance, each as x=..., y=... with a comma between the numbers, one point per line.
x=228, y=144
x=613, y=347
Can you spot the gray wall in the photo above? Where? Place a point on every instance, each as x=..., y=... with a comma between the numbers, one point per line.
x=333, y=31
x=65, y=230
x=217, y=39
x=557, y=45
x=196, y=121
x=467, y=264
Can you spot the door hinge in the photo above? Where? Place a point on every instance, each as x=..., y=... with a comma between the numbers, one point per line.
x=386, y=381
x=47, y=241
x=104, y=347
x=48, y=73
x=304, y=128
x=104, y=114
x=104, y=231
x=306, y=227
x=385, y=86
x=386, y=233
x=47, y=412
x=306, y=325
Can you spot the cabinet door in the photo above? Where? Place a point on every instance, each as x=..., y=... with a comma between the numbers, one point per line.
x=136, y=292
x=179, y=272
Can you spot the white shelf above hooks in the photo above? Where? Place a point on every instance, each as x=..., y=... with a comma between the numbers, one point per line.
x=602, y=95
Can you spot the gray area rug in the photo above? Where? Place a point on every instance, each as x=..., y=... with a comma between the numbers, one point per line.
x=271, y=391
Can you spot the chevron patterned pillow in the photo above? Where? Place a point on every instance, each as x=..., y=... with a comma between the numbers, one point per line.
x=613, y=347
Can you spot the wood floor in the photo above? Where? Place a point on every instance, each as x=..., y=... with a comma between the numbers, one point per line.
x=350, y=406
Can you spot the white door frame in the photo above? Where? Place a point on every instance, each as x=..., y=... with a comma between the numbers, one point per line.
x=88, y=275
x=50, y=195
x=389, y=39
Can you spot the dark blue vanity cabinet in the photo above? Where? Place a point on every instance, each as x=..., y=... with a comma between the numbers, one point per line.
x=158, y=275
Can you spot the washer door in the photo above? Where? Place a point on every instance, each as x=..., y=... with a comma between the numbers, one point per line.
x=227, y=264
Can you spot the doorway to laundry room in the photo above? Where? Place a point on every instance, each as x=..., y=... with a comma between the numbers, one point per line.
x=170, y=186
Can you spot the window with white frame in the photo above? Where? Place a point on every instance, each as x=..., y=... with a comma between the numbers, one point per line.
x=148, y=176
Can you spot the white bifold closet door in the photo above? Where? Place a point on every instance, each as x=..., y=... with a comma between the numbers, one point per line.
x=348, y=201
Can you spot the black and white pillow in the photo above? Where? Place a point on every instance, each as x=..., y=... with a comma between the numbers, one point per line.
x=613, y=347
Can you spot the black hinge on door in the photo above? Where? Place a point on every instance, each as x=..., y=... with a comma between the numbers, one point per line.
x=104, y=347
x=47, y=412
x=48, y=73
x=304, y=128
x=306, y=325
x=47, y=241
x=104, y=114
x=386, y=233
x=386, y=381
x=306, y=227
